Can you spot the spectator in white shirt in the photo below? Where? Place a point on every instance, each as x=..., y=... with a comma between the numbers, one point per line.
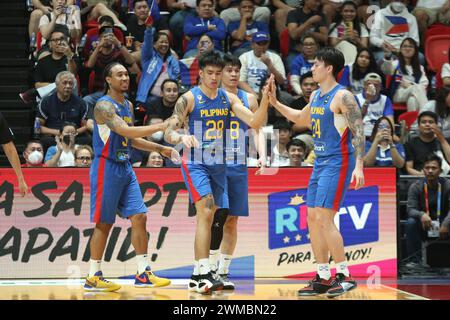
x=409, y=81
x=391, y=25
x=259, y=63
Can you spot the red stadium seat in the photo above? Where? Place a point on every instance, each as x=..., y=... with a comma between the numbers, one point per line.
x=284, y=43
x=436, y=51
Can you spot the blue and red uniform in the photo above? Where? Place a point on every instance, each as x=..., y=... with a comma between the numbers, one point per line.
x=114, y=186
x=204, y=168
x=236, y=159
x=335, y=158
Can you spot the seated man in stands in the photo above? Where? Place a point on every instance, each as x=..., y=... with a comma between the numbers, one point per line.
x=425, y=210
x=33, y=155
x=60, y=59
x=430, y=141
x=107, y=51
x=258, y=64
x=296, y=149
x=92, y=35
x=279, y=156
x=163, y=106
x=204, y=23
x=241, y=31
x=62, y=106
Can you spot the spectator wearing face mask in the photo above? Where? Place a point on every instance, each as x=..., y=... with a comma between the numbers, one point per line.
x=392, y=25
x=63, y=154
x=33, y=155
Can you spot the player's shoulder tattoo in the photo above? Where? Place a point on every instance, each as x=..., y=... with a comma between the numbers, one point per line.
x=103, y=111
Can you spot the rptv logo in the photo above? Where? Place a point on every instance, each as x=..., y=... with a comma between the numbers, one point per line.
x=357, y=219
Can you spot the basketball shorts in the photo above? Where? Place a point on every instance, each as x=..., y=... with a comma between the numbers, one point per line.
x=114, y=191
x=237, y=184
x=201, y=180
x=329, y=181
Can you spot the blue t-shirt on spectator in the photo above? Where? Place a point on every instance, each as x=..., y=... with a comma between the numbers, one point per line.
x=300, y=66
x=253, y=27
x=384, y=158
x=195, y=27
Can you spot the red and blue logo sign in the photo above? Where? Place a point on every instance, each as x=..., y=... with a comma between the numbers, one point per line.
x=357, y=219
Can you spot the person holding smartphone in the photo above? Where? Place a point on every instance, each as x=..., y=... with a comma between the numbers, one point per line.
x=381, y=151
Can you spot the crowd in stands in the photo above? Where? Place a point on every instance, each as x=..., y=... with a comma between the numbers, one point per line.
x=72, y=41
x=404, y=100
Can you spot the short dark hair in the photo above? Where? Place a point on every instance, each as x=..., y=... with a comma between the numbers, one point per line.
x=305, y=76
x=231, y=60
x=429, y=114
x=62, y=29
x=136, y=1
x=198, y=2
x=282, y=124
x=66, y=124
x=210, y=58
x=332, y=57
x=34, y=141
x=167, y=81
x=433, y=157
x=104, y=19
x=296, y=143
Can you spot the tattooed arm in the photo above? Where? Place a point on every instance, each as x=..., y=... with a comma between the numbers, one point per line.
x=105, y=113
x=177, y=120
x=350, y=109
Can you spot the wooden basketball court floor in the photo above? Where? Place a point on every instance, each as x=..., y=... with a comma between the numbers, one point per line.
x=258, y=289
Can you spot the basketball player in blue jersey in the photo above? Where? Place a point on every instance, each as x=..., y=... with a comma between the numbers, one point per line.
x=337, y=129
x=204, y=111
x=114, y=187
x=224, y=228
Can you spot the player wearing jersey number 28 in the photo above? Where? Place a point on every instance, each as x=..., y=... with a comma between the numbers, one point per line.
x=204, y=112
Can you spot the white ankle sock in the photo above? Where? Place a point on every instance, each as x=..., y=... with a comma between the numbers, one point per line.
x=342, y=267
x=204, y=266
x=323, y=270
x=224, y=263
x=94, y=267
x=142, y=262
x=196, y=268
x=214, y=259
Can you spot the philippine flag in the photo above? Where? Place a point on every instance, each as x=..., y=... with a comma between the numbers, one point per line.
x=396, y=25
x=154, y=14
x=189, y=72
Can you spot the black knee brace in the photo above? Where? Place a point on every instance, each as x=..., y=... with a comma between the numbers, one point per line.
x=220, y=216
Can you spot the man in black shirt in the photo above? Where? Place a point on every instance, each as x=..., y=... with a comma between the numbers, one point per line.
x=423, y=204
x=60, y=59
x=430, y=141
x=163, y=106
x=60, y=107
x=6, y=140
x=307, y=19
x=136, y=23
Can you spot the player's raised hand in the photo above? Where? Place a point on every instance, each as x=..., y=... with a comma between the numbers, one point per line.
x=190, y=141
